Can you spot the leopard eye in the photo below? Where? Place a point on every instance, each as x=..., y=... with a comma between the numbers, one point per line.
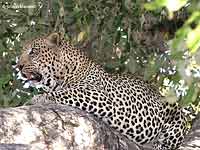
x=33, y=51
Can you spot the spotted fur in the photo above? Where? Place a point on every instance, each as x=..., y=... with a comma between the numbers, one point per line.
x=128, y=104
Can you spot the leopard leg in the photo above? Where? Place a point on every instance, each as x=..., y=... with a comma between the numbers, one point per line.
x=90, y=100
x=173, y=132
x=40, y=99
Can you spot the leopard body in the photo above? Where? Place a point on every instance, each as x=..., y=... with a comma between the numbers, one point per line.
x=126, y=103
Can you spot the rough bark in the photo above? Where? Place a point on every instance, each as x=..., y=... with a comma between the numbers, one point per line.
x=58, y=127
x=192, y=140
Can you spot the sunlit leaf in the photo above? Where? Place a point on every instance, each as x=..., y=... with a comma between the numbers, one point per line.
x=174, y=5
x=81, y=36
x=171, y=5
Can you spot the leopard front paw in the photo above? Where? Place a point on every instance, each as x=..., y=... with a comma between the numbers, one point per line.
x=40, y=99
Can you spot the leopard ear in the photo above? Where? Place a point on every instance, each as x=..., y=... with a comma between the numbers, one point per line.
x=53, y=39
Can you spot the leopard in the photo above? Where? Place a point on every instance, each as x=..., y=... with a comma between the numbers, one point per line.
x=126, y=103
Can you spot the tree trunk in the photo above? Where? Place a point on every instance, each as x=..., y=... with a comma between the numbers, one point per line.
x=58, y=127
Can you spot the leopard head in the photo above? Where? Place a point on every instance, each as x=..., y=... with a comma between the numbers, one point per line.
x=50, y=61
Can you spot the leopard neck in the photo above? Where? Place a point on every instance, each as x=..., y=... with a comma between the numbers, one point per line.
x=79, y=67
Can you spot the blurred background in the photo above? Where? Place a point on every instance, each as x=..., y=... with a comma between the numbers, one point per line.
x=156, y=40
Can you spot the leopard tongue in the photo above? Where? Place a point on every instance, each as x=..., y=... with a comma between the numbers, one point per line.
x=31, y=77
x=35, y=77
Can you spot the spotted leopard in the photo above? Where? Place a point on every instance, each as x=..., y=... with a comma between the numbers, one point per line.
x=126, y=103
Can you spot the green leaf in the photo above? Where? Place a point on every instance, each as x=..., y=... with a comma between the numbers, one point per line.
x=175, y=78
x=21, y=29
x=193, y=39
x=155, y=4
x=4, y=80
x=31, y=6
x=151, y=69
x=195, y=16
x=117, y=37
x=191, y=95
x=9, y=12
x=131, y=65
x=179, y=42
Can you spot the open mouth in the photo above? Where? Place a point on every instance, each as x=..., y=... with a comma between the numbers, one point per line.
x=33, y=76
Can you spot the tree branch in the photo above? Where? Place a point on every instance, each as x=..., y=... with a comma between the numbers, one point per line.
x=58, y=127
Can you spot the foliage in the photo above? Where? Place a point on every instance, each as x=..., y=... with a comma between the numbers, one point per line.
x=185, y=43
x=121, y=35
